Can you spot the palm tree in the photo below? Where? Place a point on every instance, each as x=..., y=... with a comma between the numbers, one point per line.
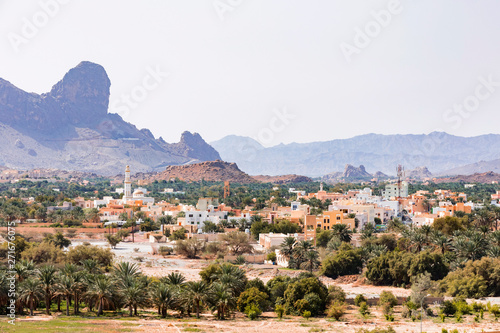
x=47, y=277
x=30, y=292
x=441, y=241
x=91, y=266
x=124, y=270
x=162, y=296
x=174, y=279
x=223, y=300
x=311, y=260
x=342, y=232
x=197, y=292
x=287, y=247
x=64, y=287
x=133, y=295
x=24, y=269
x=101, y=290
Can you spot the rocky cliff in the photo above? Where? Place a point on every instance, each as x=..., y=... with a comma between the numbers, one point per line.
x=70, y=128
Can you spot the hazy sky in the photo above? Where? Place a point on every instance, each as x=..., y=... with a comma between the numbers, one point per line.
x=234, y=64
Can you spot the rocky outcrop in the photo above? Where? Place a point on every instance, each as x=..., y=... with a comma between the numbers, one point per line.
x=209, y=171
x=351, y=172
x=418, y=173
x=69, y=128
x=284, y=179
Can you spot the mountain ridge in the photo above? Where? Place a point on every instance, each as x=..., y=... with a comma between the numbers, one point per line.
x=70, y=128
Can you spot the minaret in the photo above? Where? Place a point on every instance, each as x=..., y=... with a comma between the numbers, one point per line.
x=127, y=185
x=321, y=187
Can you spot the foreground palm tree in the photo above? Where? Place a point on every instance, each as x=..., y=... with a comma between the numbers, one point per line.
x=47, y=277
x=101, y=290
x=197, y=292
x=222, y=300
x=311, y=260
x=64, y=288
x=30, y=292
x=342, y=232
x=133, y=295
x=163, y=297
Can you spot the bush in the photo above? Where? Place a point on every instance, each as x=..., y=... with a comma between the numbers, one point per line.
x=253, y=311
x=336, y=294
x=346, y=261
x=189, y=248
x=271, y=256
x=252, y=296
x=43, y=253
x=164, y=250
x=336, y=310
x=359, y=299
x=178, y=234
x=298, y=290
x=306, y=314
x=363, y=309
x=79, y=253
x=386, y=297
x=448, y=308
x=280, y=310
x=479, y=278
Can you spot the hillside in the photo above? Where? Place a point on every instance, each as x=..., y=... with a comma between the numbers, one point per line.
x=209, y=171
x=284, y=179
x=438, y=151
x=485, y=178
x=69, y=128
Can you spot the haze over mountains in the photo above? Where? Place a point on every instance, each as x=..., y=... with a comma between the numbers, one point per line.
x=438, y=151
x=70, y=128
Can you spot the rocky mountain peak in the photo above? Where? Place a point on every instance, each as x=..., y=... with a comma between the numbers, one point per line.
x=351, y=171
x=83, y=93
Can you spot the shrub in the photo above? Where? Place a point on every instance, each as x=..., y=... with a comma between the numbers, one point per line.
x=79, y=253
x=363, y=309
x=253, y=311
x=346, y=261
x=164, y=250
x=359, y=299
x=495, y=311
x=386, y=297
x=240, y=260
x=336, y=294
x=298, y=290
x=280, y=310
x=178, y=234
x=336, y=310
x=43, y=253
x=448, y=308
x=271, y=256
x=252, y=296
x=189, y=248
x=306, y=314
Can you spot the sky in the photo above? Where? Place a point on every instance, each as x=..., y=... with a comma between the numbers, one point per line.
x=279, y=71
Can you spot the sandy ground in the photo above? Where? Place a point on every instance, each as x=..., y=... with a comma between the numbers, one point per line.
x=269, y=323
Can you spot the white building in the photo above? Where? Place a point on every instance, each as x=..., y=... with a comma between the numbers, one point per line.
x=137, y=195
x=392, y=190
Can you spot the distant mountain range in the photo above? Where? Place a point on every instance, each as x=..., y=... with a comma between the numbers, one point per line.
x=440, y=152
x=70, y=128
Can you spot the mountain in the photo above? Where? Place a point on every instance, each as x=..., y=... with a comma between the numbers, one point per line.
x=209, y=171
x=479, y=167
x=284, y=179
x=438, y=151
x=70, y=128
x=418, y=173
x=485, y=178
x=352, y=174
